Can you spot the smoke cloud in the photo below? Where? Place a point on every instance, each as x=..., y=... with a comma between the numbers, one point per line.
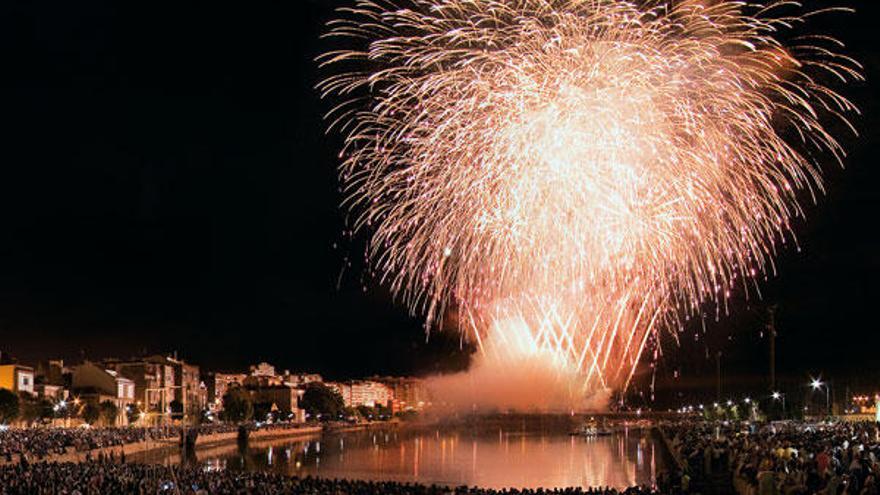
x=529, y=383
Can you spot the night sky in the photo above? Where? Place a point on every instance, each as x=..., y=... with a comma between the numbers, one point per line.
x=165, y=184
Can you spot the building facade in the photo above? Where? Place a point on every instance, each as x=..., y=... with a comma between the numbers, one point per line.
x=153, y=385
x=94, y=384
x=217, y=384
x=278, y=398
x=160, y=379
x=409, y=394
x=17, y=378
x=262, y=369
x=189, y=390
x=368, y=393
x=301, y=379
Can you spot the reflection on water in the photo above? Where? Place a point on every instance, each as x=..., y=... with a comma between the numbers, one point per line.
x=495, y=459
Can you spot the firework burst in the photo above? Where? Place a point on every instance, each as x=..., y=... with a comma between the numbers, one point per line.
x=574, y=175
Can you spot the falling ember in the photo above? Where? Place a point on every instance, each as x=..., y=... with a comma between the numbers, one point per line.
x=575, y=175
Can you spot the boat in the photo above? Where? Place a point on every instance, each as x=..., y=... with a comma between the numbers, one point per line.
x=591, y=430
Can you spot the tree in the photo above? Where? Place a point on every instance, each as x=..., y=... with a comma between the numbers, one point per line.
x=206, y=416
x=108, y=412
x=132, y=413
x=350, y=413
x=90, y=413
x=384, y=412
x=32, y=409
x=63, y=410
x=237, y=405
x=9, y=406
x=46, y=409
x=176, y=409
x=261, y=409
x=410, y=415
x=319, y=400
x=366, y=412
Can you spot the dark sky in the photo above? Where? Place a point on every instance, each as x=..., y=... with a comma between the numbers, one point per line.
x=165, y=184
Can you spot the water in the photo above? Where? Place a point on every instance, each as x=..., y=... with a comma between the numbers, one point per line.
x=492, y=459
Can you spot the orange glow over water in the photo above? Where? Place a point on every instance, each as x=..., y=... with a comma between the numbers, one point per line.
x=492, y=459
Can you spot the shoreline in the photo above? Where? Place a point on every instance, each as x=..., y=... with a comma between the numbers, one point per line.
x=167, y=452
x=223, y=443
x=145, y=448
x=208, y=441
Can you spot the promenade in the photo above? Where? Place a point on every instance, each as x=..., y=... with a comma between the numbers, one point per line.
x=77, y=446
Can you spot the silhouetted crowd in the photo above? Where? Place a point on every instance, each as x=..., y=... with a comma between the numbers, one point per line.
x=39, y=443
x=108, y=476
x=782, y=458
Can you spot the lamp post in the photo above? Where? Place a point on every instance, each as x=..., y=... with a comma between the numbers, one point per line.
x=816, y=384
x=778, y=396
x=750, y=408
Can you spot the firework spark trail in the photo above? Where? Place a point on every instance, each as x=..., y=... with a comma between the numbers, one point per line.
x=576, y=174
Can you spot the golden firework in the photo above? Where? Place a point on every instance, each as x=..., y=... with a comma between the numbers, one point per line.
x=574, y=175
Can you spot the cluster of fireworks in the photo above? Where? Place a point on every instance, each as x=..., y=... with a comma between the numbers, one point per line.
x=573, y=176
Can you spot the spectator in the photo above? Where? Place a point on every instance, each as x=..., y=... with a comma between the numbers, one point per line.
x=107, y=477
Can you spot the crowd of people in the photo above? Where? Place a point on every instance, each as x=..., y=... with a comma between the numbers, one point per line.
x=110, y=476
x=40, y=443
x=781, y=458
x=778, y=458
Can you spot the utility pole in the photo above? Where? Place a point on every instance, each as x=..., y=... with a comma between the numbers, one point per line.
x=771, y=330
x=828, y=402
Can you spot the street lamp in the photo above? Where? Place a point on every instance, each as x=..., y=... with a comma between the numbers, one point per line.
x=816, y=384
x=777, y=396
